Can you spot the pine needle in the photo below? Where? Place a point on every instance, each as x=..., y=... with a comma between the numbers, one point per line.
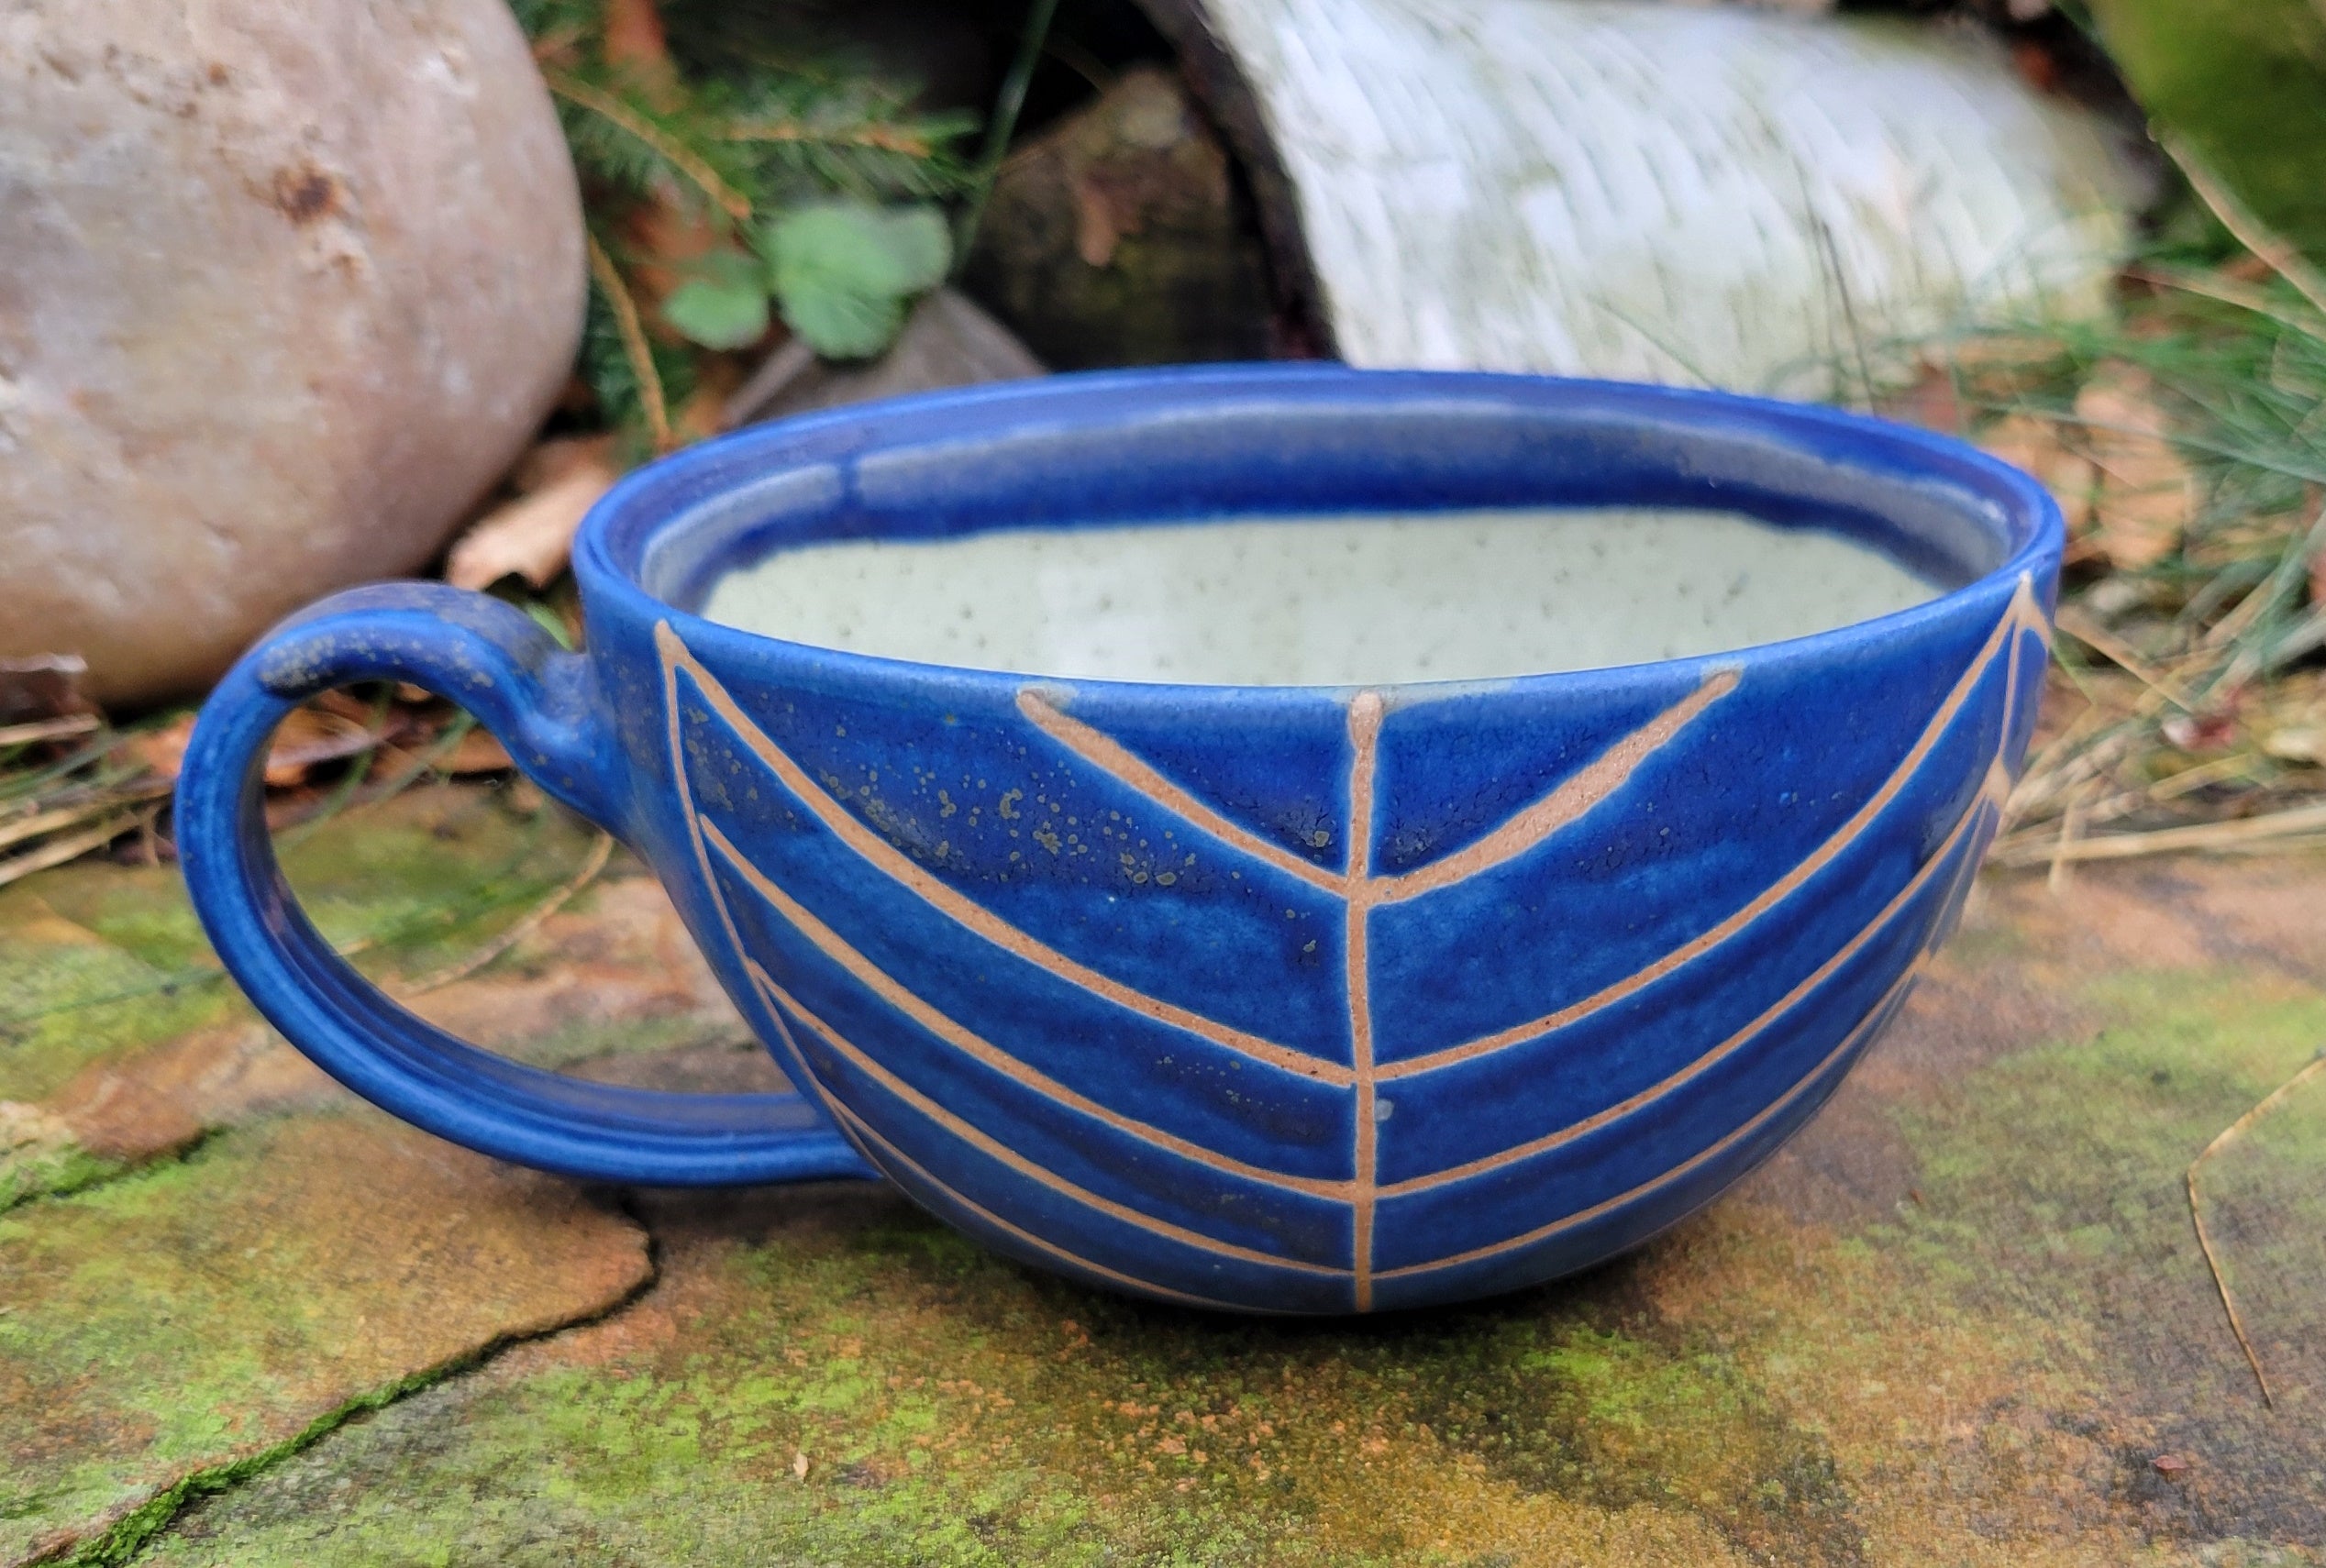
x=2229, y=1135
x=2068, y=846
x=524, y=925
x=634, y=344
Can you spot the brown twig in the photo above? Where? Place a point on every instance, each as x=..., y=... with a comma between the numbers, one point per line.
x=50, y=822
x=2271, y=825
x=521, y=927
x=56, y=852
x=775, y=374
x=634, y=343
x=2226, y=1136
x=49, y=729
x=2118, y=652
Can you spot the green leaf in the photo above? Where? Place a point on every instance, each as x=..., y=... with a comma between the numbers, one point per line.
x=843, y=271
x=842, y=326
x=727, y=307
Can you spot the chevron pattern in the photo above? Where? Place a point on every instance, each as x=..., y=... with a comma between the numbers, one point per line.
x=918, y=1127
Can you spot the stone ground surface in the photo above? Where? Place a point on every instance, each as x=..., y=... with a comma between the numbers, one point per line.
x=1963, y=1319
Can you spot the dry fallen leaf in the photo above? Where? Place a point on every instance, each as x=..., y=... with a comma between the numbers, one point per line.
x=163, y=750
x=531, y=537
x=552, y=459
x=308, y=737
x=1934, y=400
x=476, y=752
x=799, y=1466
x=2146, y=493
x=2035, y=445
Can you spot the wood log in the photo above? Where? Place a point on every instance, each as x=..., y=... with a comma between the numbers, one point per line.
x=1715, y=196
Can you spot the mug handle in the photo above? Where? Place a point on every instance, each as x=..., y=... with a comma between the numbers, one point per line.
x=541, y=703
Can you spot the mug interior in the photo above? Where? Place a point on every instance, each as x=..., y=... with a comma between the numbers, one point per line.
x=1130, y=449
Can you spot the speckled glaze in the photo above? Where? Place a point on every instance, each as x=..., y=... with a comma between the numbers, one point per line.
x=1293, y=999
x=1351, y=600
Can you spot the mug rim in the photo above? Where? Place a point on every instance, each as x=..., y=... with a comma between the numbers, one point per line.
x=612, y=549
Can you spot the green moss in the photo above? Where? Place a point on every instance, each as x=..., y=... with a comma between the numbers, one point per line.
x=2073, y=1153
x=173, y=1330
x=955, y=1409
x=97, y=959
x=68, y=997
x=50, y=1170
x=134, y=1310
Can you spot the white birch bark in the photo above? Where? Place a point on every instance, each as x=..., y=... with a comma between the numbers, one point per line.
x=1710, y=196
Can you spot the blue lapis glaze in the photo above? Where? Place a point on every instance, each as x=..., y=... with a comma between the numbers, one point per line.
x=1289, y=999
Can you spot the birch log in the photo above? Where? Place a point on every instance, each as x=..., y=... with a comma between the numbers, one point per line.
x=1715, y=196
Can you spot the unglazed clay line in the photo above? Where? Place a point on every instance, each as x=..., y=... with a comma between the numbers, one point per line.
x=711, y=883
x=1365, y=734
x=895, y=994
x=865, y=1132
x=2022, y=616
x=993, y=1148
x=1527, y=828
x=901, y=869
x=1858, y=1034
x=1979, y=805
x=1607, y=773
x=1112, y=757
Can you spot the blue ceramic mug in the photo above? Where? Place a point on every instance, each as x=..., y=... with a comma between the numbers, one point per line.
x=1456, y=988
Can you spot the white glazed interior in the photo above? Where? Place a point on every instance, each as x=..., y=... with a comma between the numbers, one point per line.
x=1325, y=601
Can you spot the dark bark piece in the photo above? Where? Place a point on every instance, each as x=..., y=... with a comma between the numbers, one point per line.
x=1229, y=103
x=1117, y=237
x=45, y=686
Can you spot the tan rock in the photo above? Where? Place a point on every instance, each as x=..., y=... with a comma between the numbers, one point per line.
x=284, y=285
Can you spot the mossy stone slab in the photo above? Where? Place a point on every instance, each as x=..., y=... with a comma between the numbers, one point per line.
x=1963, y=1319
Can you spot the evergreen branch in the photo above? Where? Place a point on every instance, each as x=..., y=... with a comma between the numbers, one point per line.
x=615, y=111
x=634, y=343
